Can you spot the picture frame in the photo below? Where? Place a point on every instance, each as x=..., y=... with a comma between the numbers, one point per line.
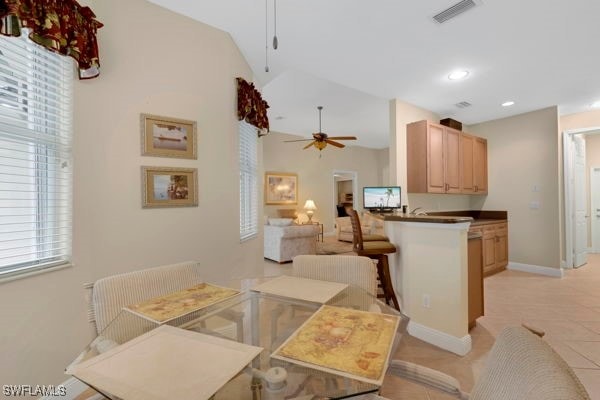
x=169, y=187
x=168, y=137
x=281, y=188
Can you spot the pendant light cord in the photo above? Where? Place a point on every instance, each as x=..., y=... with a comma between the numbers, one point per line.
x=275, y=40
x=266, y=36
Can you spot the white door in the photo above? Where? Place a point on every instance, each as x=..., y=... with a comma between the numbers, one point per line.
x=580, y=210
x=595, y=208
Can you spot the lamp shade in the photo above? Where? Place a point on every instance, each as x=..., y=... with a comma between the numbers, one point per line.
x=310, y=205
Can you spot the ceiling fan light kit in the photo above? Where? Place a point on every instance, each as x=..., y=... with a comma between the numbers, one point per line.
x=320, y=139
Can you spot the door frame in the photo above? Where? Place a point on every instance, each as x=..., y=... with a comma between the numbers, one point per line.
x=568, y=189
x=594, y=231
x=334, y=189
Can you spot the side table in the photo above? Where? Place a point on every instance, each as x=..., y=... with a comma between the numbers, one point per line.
x=320, y=234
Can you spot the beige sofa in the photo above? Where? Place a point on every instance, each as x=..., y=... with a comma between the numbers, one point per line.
x=283, y=243
x=370, y=225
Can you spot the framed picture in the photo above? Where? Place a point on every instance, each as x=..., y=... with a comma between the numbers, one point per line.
x=281, y=188
x=168, y=137
x=169, y=187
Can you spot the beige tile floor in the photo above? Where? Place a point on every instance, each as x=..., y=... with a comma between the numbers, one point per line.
x=567, y=309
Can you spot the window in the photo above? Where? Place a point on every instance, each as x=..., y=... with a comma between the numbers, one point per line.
x=248, y=195
x=35, y=157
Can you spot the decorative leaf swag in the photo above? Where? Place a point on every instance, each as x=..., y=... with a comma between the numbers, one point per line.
x=251, y=106
x=62, y=26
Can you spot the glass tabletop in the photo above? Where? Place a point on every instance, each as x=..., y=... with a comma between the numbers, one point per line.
x=263, y=320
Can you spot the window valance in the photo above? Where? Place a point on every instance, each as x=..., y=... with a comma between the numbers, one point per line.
x=62, y=26
x=251, y=106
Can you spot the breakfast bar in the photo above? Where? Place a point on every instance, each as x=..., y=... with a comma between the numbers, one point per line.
x=430, y=276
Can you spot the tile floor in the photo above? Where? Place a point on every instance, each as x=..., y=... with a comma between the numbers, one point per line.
x=567, y=309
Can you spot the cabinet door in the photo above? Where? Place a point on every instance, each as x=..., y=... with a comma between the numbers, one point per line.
x=501, y=246
x=435, y=159
x=467, y=177
x=489, y=250
x=452, y=165
x=480, y=166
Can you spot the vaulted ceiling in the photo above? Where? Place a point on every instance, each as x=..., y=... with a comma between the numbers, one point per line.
x=352, y=56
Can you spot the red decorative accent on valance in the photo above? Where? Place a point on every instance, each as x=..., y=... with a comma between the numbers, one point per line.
x=251, y=106
x=62, y=26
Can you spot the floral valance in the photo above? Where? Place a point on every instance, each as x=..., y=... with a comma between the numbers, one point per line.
x=62, y=26
x=251, y=106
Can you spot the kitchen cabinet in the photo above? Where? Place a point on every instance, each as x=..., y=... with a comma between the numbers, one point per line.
x=473, y=178
x=433, y=158
x=475, y=279
x=494, y=246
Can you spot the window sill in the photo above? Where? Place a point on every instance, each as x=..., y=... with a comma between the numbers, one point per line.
x=13, y=276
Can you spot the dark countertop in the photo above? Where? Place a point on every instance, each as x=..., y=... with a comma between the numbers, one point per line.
x=432, y=219
x=476, y=217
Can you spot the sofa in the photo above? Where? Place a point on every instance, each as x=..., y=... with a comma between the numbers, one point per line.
x=283, y=243
x=372, y=228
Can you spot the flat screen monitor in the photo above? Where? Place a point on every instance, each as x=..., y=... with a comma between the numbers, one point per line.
x=381, y=197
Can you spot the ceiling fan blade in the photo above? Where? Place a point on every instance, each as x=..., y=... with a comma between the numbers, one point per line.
x=308, y=145
x=336, y=144
x=299, y=140
x=342, y=137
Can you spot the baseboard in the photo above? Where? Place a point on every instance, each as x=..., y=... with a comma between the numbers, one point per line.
x=460, y=346
x=536, y=269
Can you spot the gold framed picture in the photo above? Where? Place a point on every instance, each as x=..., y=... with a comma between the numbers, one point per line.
x=281, y=188
x=168, y=137
x=169, y=187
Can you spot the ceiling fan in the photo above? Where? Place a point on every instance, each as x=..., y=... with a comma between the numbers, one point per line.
x=321, y=139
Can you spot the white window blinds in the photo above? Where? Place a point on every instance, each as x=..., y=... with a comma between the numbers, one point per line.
x=35, y=157
x=248, y=179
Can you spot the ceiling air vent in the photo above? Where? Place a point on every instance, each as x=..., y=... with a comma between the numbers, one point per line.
x=454, y=11
x=463, y=104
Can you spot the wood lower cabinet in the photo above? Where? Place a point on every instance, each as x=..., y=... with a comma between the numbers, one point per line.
x=475, y=280
x=494, y=247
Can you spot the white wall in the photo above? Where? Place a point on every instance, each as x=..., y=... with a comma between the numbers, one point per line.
x=315, y=174
x=522, y=153
x=153, y=61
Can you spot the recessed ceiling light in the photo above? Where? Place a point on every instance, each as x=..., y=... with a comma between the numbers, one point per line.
x=279, y=117
x=596, y=104
x=508, y=103
x=458, y=74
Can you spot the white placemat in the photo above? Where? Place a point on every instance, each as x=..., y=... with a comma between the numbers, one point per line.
x=166, y=363
x=301, y=288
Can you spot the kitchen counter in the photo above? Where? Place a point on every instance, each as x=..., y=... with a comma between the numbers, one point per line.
x=435, y=219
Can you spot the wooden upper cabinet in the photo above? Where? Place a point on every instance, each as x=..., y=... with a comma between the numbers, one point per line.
x=467, y=147
x=474, y=164
x=480, y=168
x=433, y=158
x=436, y=182
x=452, y=160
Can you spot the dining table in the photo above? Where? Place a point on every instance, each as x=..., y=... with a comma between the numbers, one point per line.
x=263, y=320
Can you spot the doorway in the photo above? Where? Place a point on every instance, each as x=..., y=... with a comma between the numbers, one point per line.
x=595, y=208
x=344, y=191
x=578, y=199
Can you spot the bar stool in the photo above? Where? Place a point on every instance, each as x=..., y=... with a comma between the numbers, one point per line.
x=377, y=250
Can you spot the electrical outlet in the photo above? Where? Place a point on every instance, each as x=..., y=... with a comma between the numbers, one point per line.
x=426, y=301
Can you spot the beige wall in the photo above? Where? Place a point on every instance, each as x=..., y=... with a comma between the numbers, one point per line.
x=523, y=152
x=153, y=61
x=315, y=174
x=401, y=114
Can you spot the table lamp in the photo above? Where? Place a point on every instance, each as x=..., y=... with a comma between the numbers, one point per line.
x=310, y=208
